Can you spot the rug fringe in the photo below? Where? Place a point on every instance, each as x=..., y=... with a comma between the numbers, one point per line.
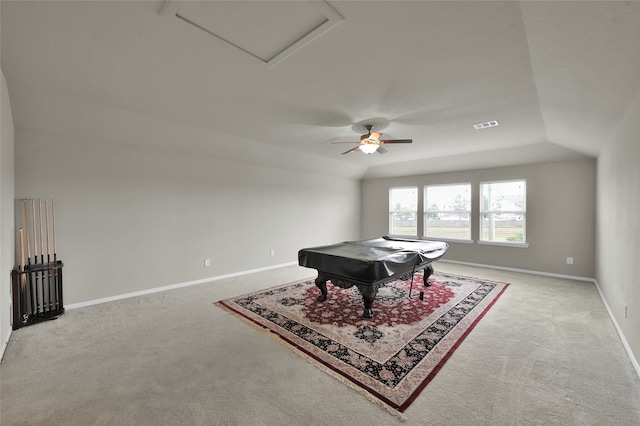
x=315, y=363
x=344, y=381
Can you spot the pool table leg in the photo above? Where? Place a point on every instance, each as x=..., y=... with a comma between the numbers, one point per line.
x=368, y=296
x=427, y=273
x=321, y=283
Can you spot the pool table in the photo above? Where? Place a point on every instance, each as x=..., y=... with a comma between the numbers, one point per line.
x=369, y=264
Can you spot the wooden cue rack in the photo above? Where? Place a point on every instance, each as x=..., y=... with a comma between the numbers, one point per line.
x=36, y=283
x=37, y=294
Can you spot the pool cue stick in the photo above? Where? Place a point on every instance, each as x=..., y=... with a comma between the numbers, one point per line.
x=45, y=297
x=23, y=302
x=46, y=216
x=25, y=315
x=35, y=252
x=55, y=251
x=53, y=216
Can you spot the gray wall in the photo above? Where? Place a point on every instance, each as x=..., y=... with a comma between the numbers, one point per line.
x=132, y=217
x=618, y=228
x=561, y=200
x=6, y=212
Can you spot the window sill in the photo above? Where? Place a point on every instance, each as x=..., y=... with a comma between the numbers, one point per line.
x=448, y=240
x=503, y=244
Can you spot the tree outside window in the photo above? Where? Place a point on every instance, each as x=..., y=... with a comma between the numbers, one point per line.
x=448, y=215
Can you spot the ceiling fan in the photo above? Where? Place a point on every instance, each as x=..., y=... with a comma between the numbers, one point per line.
x=371, y=142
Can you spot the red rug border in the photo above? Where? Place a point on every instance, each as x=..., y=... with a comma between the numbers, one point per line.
x=310, y=355
x=445, y=358
x=401, y=408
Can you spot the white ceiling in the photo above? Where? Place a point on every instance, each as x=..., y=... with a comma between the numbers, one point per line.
x=273, y=83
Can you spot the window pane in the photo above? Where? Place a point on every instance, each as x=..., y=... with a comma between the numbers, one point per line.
x=403, y=199
x=403, y=209
x=448, y=198
x=448, y=211
x=495, y=228
x=455, y=226
x=503, y=211
x=503, y=196
x=403, y=223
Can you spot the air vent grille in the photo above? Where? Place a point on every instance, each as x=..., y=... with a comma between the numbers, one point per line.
x=485, y=125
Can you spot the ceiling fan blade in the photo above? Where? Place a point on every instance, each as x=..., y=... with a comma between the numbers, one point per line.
x=398, y=141
x=345, y=142
x=381, y=150
x=351, y=150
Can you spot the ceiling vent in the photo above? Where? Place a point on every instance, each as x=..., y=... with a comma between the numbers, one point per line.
x=486, y=124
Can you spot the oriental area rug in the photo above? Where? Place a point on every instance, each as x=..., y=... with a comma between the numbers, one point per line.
x=391, y=357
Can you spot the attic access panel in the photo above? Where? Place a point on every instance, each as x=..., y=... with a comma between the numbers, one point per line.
x=268, y=31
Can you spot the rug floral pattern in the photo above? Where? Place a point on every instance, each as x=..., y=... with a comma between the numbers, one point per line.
x=393, y=355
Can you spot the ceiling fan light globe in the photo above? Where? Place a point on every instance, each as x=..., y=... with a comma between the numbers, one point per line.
x=368, y=148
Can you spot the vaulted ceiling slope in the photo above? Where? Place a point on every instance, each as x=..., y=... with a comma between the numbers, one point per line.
x=275, y=83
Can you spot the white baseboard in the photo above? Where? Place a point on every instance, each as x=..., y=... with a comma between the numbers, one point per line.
x=627, y=348
x=525, y=271
x=623, y=339
x=5, y=343
x=172, y=286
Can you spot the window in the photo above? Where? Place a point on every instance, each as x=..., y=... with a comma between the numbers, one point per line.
x=403, y=211
x=447, y=211
x=503, y=212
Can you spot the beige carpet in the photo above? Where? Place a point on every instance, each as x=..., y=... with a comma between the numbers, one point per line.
x=390, y=357
x=547, y=353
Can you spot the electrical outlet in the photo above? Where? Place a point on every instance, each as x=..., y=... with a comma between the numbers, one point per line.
x=207, y=263
x=569, y=260
x=273, y=253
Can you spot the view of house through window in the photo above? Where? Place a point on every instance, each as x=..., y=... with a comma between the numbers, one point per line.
x=503, y=211
x=447, y=211
x=403, y=211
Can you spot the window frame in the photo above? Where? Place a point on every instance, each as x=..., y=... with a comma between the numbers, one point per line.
x=425, y=213
x=414, y=212
x=482, y=212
